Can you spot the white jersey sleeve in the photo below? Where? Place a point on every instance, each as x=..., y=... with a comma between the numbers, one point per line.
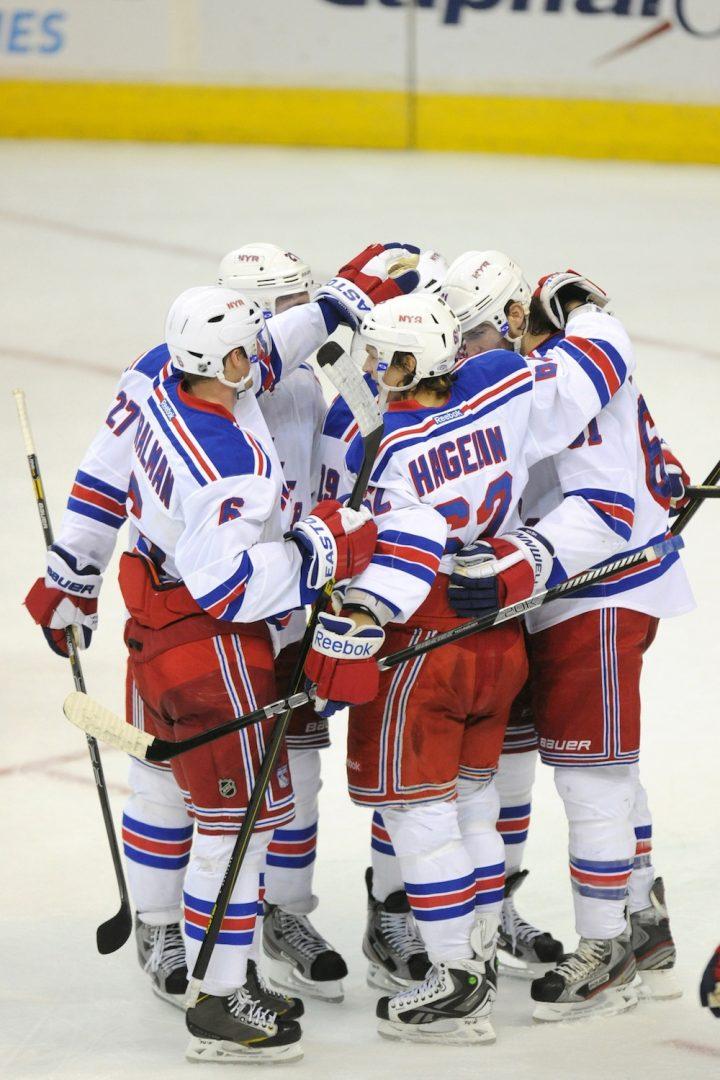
x=576, y=378
x=96, y=507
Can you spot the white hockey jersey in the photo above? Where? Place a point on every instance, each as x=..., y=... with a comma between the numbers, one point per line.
x=606, y=494
x=98, y=502
x=446, y=475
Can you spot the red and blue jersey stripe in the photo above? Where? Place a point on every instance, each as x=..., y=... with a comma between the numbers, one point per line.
x=96, y=499
x=615, y=509
x=600, y=361
x=415, y=555
x=226, y=599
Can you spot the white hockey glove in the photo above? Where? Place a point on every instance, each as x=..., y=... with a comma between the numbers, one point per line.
x=495, y=572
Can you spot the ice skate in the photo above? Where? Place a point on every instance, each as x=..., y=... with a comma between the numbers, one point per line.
x=237, y=1029
x=654, y=948
x=287, y=1008
x=395, y=951
x=600, y=977
x=161, y=952
x=523, y=951
x=451, y=1006
x=298, y=958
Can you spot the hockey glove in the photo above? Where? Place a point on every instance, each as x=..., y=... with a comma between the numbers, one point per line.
x=378, y=273
x=678, y=478
x=334, y=542
x=493, y=573
x=710, y=984
x=341, y=663
x=66, y=596
x=555, y=291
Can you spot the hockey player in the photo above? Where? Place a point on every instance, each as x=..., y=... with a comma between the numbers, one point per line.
x=68, y=596
x=298, y=957
x=607, y=493
x=393, y=947
x=488, y=292
x=458, y=443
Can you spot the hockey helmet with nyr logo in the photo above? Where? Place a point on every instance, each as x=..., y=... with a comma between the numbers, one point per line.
x=421, y=324
x=266, y=273
x=479, y=285
x=554, y=291
x=204, y=324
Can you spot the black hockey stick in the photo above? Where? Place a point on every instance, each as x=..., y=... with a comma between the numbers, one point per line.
x=348, y=380
x=113, y=934
x=92, y=717
x=703, y=491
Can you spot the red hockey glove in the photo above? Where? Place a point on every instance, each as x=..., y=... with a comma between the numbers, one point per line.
x=335, y=542
x=378, y=273
x=341, y=663
x=678, y=478
x=66, y=596
x=496, y=572
x=710, y=984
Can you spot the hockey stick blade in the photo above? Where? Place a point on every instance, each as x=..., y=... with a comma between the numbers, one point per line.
x=98, y=722
x=347, y=378
x=112, y=935
x=95, y=720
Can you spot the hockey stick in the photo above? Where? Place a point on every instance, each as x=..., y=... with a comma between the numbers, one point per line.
x=92, y=717
x=703, y=491
x=89, y=715
x=113, y=934
x=347, y=379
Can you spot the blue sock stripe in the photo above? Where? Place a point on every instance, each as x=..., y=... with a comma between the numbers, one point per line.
x=156, y=832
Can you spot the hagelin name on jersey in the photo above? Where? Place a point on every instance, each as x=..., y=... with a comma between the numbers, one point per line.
x=692, y=16
x=457, y=457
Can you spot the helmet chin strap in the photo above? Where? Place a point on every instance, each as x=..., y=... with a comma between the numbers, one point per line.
x=241, y=386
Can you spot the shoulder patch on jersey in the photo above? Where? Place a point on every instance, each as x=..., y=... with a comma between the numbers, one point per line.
x=151, y=362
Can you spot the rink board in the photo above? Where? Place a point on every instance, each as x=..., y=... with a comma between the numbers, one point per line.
x=385, y=120
x=590, y=78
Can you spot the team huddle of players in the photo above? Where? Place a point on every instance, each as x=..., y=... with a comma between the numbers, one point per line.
x=517, y=450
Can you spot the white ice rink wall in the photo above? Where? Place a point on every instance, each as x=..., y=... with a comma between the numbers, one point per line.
x=592, y=78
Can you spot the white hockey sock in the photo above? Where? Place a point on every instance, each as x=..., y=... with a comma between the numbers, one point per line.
x=514, y=781
x=157, y=835
x=387, y=874
x=208, y=863
x=291, y=854
x=643, y=871
x=598, y=804
x=478, y=805
x=438, y=874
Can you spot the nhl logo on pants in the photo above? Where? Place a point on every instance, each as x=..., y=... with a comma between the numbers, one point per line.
x=228, y=788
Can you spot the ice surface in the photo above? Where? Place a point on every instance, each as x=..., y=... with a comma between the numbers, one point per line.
x=96, y=240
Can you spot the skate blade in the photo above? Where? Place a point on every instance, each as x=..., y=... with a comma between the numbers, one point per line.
x=284, y=976
x=658, y=985
x=516, y=968
x=178, y=1000
x=462, y=1033
x=379, y=978
x=617, y=999
x=230, y=1053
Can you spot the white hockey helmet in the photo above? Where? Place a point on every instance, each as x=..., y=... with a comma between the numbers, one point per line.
x=432, y=268
x=480, y=284
x=421, y=324
x=205, y=323
x=265, y=272
x=549, y=288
